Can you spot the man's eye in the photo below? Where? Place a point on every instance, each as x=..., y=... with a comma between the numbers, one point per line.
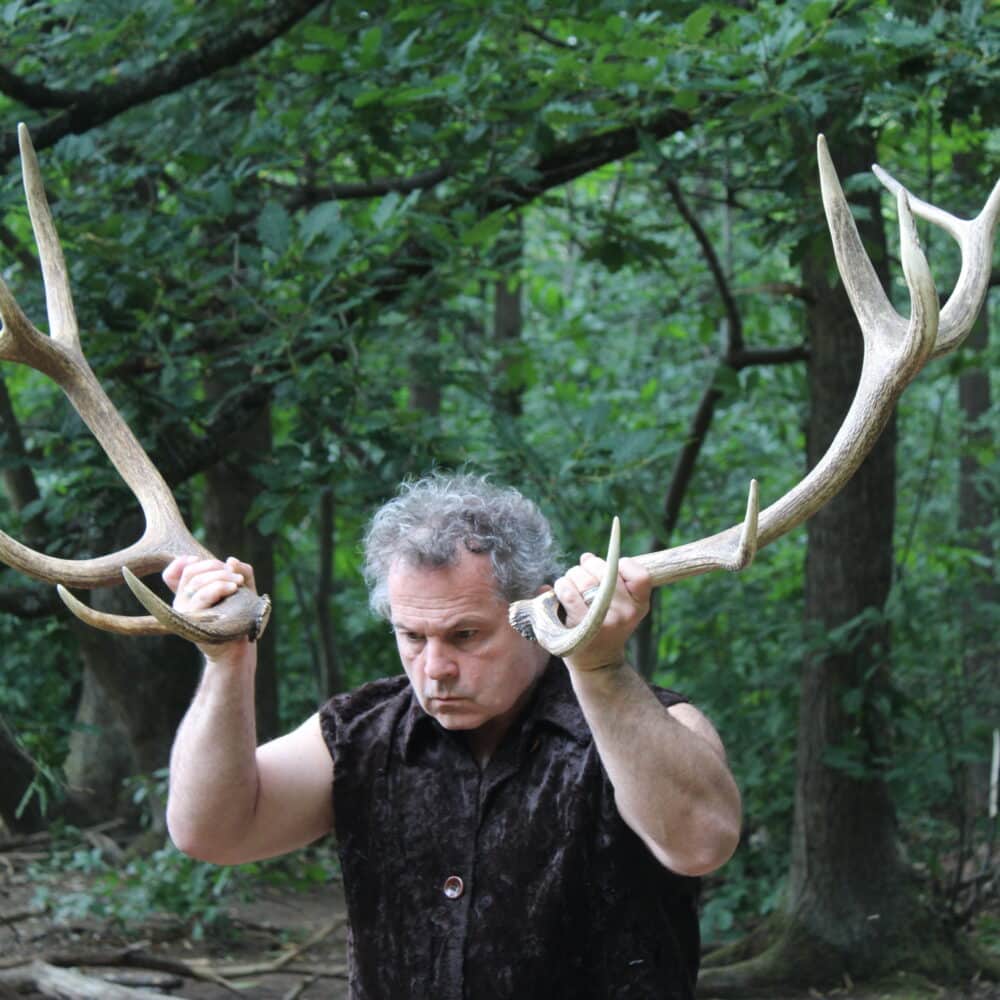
x=465, y=635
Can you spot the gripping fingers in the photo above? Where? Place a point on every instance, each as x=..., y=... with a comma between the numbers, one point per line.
x=579, y=585
x=571, y=597
x=205, y=582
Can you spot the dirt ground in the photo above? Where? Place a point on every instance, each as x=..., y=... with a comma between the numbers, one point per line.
x=285, y=944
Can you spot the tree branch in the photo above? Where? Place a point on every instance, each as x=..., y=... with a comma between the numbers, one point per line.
x=683, y=471
x=749, y=357
x=546, y=37
x=736, y=356
x=229, y=47
x=734, y=333
x=36, y=96
x=574, y=159
x=347, y=190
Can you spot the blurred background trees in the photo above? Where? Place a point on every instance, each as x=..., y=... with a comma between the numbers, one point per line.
x=318, y=247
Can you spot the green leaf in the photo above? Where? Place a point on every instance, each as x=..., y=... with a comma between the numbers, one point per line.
x=221, y=196
x=686, y=100
x=367, y=97
x=371, y=42
x=484, y=231
x=816, y=12
x=312, y=62
x=274, y=227
x=385, y=209
x=319, y=221
x=696, y=24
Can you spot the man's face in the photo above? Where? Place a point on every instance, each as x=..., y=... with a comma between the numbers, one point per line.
x=470, y=670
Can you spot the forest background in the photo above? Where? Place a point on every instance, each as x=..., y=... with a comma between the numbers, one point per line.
x=320, y=247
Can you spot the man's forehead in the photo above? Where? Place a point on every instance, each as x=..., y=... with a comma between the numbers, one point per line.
x=464, y=590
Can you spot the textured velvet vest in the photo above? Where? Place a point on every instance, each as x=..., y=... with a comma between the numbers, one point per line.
x=519, y=880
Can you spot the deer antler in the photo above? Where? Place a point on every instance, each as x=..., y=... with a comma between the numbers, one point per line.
x=59, y=356
x=896, y=349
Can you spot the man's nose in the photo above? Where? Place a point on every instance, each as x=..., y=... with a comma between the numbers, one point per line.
x=439, y=662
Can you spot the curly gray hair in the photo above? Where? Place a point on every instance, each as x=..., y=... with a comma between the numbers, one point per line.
x=432, y=519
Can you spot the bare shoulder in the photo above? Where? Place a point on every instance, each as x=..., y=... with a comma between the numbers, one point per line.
x=295, y=794
x=303, y=744
x=696, y=720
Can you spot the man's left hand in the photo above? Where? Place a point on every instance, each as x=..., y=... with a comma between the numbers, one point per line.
x=629, y=605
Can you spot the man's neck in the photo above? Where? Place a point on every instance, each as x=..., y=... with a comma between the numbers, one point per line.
x=484, y=741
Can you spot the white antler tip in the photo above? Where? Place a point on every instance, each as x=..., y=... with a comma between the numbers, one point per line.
x=24, y=140
x=886, y=179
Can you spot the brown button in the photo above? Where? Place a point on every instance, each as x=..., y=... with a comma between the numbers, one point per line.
x=453, y=887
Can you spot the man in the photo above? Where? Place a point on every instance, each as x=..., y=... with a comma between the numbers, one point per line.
x=509, y=825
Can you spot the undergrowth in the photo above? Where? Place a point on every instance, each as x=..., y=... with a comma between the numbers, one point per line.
x=92, y=876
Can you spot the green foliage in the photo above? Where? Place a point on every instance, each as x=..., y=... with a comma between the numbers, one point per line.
x=78, y=880
x=84, y=876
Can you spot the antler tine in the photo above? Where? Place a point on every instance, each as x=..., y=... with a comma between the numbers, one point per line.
x=58, y=296
x=60, y=357
x=869, y=301
x=205, y=627
x=975, y=240
x=896, y=349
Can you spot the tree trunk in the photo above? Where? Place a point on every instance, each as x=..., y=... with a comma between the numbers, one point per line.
x=508, y=319
x=230, y=491
x=980, y=651
x=847, y=889
x=134, y=693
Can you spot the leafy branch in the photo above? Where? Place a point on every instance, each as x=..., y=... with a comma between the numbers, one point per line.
x=84, y=110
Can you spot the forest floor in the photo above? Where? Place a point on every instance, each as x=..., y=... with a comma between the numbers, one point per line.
x=281, y=943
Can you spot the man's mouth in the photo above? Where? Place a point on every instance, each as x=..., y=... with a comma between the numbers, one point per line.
x=445, y=699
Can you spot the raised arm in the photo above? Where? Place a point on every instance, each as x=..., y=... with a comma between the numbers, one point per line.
x=231, y=801
x=667, y=765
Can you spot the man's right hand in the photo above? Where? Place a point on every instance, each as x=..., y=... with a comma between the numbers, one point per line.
x=201, y=583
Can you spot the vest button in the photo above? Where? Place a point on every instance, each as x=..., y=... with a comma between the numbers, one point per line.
x=453, y=887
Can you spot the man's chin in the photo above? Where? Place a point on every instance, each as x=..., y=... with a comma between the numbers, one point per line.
x=455, y=725
x=455, y=716
x=458, y=721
